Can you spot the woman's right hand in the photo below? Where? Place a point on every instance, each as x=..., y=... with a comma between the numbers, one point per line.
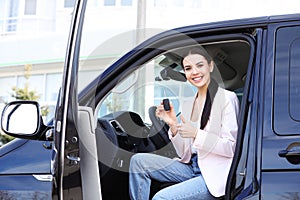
x=167, y=116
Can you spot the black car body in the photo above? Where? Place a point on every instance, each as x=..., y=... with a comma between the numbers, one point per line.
x=85, y=154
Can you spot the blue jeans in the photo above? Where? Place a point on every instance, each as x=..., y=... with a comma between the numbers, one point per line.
x=144, y=167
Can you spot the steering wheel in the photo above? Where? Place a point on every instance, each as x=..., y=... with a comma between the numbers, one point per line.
x=157, y=124
x=158, y=127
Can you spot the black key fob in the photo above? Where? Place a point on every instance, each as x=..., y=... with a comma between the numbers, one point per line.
x=166, y=104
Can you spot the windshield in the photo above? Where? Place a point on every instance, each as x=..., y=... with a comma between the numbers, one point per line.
x=145, y=87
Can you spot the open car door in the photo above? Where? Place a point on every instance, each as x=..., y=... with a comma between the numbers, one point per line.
x=69, y=162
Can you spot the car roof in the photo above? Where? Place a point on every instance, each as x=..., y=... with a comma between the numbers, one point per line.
x=244, y=22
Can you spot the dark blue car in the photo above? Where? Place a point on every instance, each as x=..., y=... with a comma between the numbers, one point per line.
x=84, y=152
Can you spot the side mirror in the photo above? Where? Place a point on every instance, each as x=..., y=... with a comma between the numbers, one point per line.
x=22, y=119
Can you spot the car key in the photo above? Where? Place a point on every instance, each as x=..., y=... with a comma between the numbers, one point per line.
x=166, y=104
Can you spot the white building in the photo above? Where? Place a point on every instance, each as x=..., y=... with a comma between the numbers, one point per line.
x=35, y=32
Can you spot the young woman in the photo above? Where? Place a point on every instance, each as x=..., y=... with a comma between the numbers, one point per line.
x=204, y=140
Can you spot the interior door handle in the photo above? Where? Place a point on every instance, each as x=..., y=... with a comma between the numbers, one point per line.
x=73, y=159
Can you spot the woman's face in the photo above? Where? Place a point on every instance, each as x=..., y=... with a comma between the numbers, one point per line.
x=197, y=70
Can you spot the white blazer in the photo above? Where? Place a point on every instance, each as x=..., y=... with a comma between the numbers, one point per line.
x=215, y=144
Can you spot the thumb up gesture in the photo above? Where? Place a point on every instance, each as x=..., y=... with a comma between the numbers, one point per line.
x=186, y=129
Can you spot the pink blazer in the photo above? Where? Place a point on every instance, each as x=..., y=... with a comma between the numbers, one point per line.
x=215, y=144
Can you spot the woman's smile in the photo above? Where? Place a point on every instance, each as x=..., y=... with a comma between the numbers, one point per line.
x=197, y=79
x=197, y=70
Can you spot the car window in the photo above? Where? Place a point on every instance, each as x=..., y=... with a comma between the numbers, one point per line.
x=295, y=79
x=287, y=81
x=162, y=77
x=145, y=87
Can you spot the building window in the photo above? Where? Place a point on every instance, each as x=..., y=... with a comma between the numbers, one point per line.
x=2, y=9
x=5, y=92
x=13, y=8
x=126, y=2
x=69, y=3
x=178, y=3
x=195, y=3
x=34, y=83
x=160, y=3
x=11, y=25
x=12, y=16
x=53, y=83
x=30, y=7
x=109, y=2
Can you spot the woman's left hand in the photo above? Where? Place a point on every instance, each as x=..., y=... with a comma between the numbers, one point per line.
x=186, y=129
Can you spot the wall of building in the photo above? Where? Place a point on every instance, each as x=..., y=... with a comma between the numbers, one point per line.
x=35, y=32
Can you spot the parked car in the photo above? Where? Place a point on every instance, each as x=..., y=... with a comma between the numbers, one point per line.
x=84, y=152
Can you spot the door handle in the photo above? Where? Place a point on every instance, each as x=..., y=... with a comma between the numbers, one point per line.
x=287, y=153
x=292, y=153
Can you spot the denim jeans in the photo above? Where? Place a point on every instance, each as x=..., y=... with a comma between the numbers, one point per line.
x=144, y=167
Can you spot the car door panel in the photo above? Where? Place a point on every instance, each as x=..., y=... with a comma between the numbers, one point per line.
x=21, y=187
x=91, y=188
x=280, y=171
